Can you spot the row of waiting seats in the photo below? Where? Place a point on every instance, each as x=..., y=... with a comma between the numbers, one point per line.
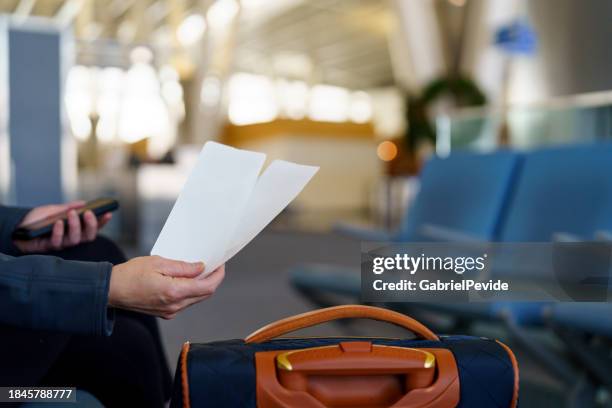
x=504, y=196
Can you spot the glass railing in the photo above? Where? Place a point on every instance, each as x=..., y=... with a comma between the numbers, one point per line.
x=575, y=119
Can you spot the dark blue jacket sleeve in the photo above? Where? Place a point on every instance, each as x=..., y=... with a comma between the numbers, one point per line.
x=48, y=293
x=10, y=217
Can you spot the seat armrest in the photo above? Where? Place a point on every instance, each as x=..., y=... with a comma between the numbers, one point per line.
x=605, y=236
x=362, y=233
x=565, y=237
x=438, y=233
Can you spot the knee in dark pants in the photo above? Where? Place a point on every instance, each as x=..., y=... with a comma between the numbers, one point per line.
x=138, y=365
x=121, y=370
x=101, y=249
x=108, y=249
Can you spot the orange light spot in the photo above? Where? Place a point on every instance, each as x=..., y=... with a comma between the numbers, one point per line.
x=386, y=151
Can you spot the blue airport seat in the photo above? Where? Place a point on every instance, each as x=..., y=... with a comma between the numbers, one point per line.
x=332, y=278
x=364, y=234
x=559, y=190
x=521, y=313
x=464, y=193
x=592, y=318
x=565, y=189
x=575, y=324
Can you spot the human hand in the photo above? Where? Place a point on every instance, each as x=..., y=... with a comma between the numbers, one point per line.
x=160, y=286
x=61, y=237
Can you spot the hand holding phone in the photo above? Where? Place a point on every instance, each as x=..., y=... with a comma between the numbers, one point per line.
x=55, y=227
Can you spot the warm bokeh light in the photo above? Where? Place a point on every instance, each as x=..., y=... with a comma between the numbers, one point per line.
x=386, y=151
x=191, y=30
x=360, y=110
x=128, y=105
x=251, y=99
x=329, y=103
x=221, y=13
x=257, y=98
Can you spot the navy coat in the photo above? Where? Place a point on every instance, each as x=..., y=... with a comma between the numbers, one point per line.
x=44, y=299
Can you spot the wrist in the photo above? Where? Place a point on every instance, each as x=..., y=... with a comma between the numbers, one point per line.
x=114, y=287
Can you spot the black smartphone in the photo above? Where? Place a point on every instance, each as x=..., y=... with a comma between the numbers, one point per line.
x=44, y=227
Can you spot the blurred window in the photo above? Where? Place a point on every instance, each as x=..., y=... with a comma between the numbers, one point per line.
x=257, y=99
x=126, y=105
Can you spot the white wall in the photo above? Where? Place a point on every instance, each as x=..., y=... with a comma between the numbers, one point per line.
x=349, y=168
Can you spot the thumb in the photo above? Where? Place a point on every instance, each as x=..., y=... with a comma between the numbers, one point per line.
x=180, y=269
x=73, y=205
x=76, y=203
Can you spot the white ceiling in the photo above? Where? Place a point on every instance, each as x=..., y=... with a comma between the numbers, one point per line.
x=339, y=42
x=344, y=41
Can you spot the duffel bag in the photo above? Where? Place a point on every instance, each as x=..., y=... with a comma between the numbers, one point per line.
x=267, y=371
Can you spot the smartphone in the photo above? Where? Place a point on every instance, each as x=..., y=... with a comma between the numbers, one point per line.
x=44, y=227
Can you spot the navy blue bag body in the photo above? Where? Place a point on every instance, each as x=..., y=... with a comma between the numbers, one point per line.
x=265, y=371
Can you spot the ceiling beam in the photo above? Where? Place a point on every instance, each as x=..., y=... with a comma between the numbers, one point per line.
x=120, y=7
x=68, y=12
x=24, y=9
x=157, y=11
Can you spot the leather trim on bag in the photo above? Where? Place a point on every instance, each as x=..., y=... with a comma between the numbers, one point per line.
x=184, y=376
x=316, y=317
x=515, y=367
x=288, y=389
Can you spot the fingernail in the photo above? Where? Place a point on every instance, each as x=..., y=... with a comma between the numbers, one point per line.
x=198, y=264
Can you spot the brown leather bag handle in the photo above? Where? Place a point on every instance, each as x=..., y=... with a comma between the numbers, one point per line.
x=316, y=317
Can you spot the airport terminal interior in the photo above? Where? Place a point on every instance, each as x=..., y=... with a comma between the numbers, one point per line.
x=115, y=98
